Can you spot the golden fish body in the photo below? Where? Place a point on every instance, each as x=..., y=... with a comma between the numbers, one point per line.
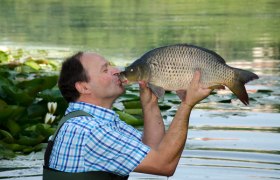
x=172, y=68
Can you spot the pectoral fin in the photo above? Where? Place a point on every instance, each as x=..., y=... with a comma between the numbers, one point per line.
x=158, y=91
x=217, y=87
x=181, y=94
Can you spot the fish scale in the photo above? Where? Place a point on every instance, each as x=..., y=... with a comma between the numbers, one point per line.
x=172, y=68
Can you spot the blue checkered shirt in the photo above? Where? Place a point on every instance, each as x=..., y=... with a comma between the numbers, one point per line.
x=99, y=143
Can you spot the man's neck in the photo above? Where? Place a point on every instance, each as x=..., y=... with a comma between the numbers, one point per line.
x=98, y=102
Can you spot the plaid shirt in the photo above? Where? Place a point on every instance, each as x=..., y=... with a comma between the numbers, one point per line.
x=99, y=143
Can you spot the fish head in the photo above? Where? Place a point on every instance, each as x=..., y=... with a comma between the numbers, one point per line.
x=133, y=73
x=130, y=75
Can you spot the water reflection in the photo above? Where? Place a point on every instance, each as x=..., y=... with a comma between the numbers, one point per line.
x=127, y=29
x=226, y=139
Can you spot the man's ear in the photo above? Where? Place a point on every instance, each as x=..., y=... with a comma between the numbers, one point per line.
x=82, y=87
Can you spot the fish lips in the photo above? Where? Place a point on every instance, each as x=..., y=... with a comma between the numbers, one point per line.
x=122, y=77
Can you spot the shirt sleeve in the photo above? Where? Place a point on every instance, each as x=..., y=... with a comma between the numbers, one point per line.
x=112, y=150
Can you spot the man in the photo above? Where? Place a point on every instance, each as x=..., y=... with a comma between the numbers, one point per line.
x=105, y=143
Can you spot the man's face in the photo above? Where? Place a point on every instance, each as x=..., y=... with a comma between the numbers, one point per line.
x=103, y=78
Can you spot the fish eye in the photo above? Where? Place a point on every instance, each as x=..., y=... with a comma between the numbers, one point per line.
x=131, y=70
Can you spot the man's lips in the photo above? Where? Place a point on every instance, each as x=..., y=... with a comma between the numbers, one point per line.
x=125, y=81
x=122, y=82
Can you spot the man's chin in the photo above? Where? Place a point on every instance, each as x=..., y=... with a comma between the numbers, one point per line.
x=123, y=90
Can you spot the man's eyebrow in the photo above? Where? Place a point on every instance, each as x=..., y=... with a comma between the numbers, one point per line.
x=105, y=65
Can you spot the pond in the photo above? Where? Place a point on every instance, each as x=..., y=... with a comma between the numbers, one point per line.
x=227, y=140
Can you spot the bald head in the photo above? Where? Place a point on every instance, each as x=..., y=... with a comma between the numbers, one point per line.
x=93, y=63
x=91, y=58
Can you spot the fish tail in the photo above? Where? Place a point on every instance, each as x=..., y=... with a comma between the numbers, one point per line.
x=237, y=86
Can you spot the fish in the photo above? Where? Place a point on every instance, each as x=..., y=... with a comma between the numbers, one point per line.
x=171, y=68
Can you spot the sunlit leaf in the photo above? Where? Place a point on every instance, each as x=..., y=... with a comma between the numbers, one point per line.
x=54, y=64
x=132, y=104
x=3, y=57
x=129, y=119
x=8, y=138
x=133, y=111
x=32, y=64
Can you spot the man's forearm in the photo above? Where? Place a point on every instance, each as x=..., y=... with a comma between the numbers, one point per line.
x=176, y=135
x=154, y=129
x=164, y=158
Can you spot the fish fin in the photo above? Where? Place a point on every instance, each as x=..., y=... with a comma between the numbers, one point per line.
x=217, y=87
x=237, y=85
x=181, y=94
x=158, y=91
x=217, y=56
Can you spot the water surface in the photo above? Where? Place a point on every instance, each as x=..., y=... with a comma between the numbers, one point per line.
x=226, y=140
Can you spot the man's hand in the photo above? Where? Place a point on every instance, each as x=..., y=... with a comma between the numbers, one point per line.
x=147, y=97
x=196, y=91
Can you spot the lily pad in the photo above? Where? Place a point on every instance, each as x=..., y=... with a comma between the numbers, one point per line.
x=6, y=153
x=32, y=87
x=17, y=96
x=8, y=138
x=32, y=64
x=9, y=112
x=132, y=104
x=13, y=127
x=3, y=57
x=30, y=141
x=129, y=119
x=133, y=111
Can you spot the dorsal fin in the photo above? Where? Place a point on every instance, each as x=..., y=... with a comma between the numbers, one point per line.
x=218, y=57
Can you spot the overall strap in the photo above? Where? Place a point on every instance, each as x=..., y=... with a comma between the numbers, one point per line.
x=66, y=117
x=51, y=140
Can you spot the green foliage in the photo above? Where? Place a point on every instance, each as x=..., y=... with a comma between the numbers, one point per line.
x=3, y=56
x=130, y=119
x=26, y=86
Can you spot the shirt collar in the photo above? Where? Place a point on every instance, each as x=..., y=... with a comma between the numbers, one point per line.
x=96, y=111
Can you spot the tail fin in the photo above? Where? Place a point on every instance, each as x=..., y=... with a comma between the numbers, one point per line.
x=237, y=86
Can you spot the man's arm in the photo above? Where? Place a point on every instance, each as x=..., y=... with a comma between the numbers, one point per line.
x=153, y=123
x=164, y=158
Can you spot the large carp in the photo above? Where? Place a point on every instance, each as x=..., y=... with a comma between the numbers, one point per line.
x=172, y=68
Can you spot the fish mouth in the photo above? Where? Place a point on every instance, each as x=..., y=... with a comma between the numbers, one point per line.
x=122, y=78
